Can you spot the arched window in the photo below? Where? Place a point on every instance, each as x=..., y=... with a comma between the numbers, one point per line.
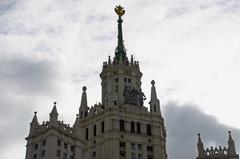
x=138, y=128
x=149, y=129
x=154, y=108
x=102, y=125
x=132, y=126
x=122, y=125
x=94, y=130
x=86, y=134
x=81, y=114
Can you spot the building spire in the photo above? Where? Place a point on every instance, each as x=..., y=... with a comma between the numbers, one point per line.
x=154, y=101
x=54, y=110
x=54, y=115
x=153, y=90
x=83, y=110
x=199, y=139
x=34, y=120
x=231, y=145
x=200, y=146
x=33, y=124
x=120, y=52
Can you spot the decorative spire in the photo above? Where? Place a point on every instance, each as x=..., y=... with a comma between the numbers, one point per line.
x=84, y=97
x=76, y=121
x=153, y=90
x=230, y=139
x=34, y=120
x=200, y=146
x=54, y=110
x=33, y=124
x=54, y=115
x=154, y=101
x=120, y=52
x=199, y=139
x=231, y=145
x=83, y=110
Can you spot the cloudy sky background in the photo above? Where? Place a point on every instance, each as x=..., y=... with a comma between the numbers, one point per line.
x=49, y=49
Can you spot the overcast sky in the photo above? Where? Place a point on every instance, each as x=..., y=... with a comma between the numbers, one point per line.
x=49, y=49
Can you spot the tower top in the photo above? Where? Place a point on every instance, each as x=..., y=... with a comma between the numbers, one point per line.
x=120, y=52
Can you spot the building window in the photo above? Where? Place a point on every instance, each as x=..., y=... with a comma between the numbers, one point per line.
x=149, y=148
x=106, y=102
x=94, y=154
x=154, y=108
x=116, y=80
x=81, y=114
x=71, y=148
x=44, y=142
x=116, y=89
x=129, y=80
x=149, y=152
x=139, y=156
x=65, y=156
x=36, y=147
x=122, y=153
x=43, y=153
x=65, y=145
x=122, y=125
x=121, y=144
x=71, y=157
x=94, y=130
x=35, y=156
x=86, y=134
x=85, y=114
x=133, y=156
x=115, y=103
x=132, y=126
x=133, y=146
x=149, y=129
x=139, y=147
x=125, y=80
x=102, y=126
x=58, y=153
x=138, y=127
x=59, y=142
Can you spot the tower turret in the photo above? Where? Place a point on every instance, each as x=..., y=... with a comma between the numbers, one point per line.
x=83, y=110
x=231, y=145
x=119, y=75
x=200, y=146
x=33, y=124
x=54, y=115
x=154, y=102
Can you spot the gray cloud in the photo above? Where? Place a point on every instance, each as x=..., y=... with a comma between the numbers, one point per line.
x=22, y=82
x=185, y=122
x=181, y=7
x=6, y=5
x=24, y=75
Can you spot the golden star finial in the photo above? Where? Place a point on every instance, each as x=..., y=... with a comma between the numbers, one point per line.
x=119, y=10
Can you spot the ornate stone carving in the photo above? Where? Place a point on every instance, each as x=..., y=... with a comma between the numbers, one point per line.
x=133, y=96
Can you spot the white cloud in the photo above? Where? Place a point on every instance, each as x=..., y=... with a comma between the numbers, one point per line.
x=190, y=46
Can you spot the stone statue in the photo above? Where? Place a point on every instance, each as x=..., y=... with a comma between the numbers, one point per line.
x=133, y=96
x=126, y=94
x=142, y=97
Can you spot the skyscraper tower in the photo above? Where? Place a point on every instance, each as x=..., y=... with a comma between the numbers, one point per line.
x=121, y=127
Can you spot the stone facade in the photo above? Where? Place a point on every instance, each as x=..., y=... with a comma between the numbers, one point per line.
x=217, y=153
x=120, y=127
